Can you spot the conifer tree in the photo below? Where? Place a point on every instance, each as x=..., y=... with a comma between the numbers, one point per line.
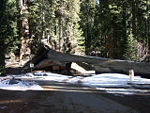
x=60, y=25
x=8, y=29
x=87, y=23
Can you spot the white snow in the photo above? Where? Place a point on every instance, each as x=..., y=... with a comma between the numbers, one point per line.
x=28, y=85
x=117, y=83
x=3, y=107
x=110, y=82
x=75, y=80
x=43, y=76
x=52, y=76
x=19, y=85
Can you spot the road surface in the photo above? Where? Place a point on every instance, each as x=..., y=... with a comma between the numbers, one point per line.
x=67, y=98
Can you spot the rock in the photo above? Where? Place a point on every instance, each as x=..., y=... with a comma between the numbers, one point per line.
x=14, y=81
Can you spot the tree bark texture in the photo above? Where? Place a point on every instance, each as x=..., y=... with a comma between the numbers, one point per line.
x=24, y=28
x=102, y=65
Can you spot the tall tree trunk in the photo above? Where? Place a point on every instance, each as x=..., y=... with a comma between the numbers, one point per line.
x=43, y=20
x=148, y=34
x=87, y=36
x=124, y=27
x=2, y=37
x=2, y=59
x=134, y=19
x=24, y=29
x=60, y=33
x=61, y=26
x=148, y=26
x=148, y=30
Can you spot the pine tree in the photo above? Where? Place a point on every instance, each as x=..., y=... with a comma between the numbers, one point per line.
x=8, y=29
x=56, y=22
x=87, y=23
x=137, y=28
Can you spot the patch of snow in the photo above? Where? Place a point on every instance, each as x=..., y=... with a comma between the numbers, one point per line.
x=3, y=107
x=19, y=85
x=43, y=76
x=117, y=83
x=110, y=82
x=52, y=76
x=112, y=79
x=75, y=79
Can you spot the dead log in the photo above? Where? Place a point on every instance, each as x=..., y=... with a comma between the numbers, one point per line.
x=123, y=66
x=104, y=65
x=50, y=57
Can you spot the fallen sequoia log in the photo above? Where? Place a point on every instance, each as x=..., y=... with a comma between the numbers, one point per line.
x=48, y=57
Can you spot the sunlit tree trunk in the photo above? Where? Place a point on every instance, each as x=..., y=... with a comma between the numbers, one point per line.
x=43, y=19
x=61, y=26
x=23, y=28
x=148, y=25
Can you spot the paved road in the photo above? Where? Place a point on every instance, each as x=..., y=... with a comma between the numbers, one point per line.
x=64, y=98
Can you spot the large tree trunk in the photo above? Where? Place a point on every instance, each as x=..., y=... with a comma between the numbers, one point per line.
x=134, y=32
x=2, y=42
x=102, y=65
x=2, y=61
x=24, y=29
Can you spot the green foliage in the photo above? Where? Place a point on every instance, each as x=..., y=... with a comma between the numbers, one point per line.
x=87, y=23
x=56, y=21
x=109, y=25
x=8, y=28
x=112, y=28
x=131, y=50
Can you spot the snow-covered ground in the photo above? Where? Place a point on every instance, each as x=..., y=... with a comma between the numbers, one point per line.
x=12, y=84
x=110, y=82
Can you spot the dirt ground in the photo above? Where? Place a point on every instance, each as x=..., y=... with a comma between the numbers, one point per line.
x=67, y=98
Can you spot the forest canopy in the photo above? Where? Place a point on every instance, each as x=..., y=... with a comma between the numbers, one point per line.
x=117, y=29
